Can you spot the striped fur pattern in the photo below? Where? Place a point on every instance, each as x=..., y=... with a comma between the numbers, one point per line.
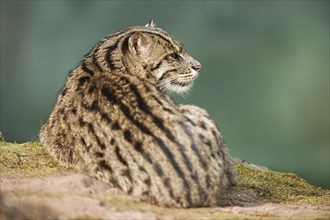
x=114, y=120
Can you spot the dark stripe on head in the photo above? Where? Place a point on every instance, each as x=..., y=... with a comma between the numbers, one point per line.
x=86, y=69
x=159, y=35
x=116, y=34
x=124, y=45
x=157, y=66
x=165, y=74
x=94, y=59
x=108, y=54
x=130, y=32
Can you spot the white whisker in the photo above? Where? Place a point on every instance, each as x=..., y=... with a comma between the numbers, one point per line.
x=172, y=85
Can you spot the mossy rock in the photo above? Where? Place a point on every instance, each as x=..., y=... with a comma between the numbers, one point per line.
x=256, y=188
x=26, y=160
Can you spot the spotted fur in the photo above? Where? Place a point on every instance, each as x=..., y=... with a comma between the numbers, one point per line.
x=114, y=120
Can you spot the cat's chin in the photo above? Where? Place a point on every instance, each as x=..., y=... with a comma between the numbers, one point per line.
x=181, y=88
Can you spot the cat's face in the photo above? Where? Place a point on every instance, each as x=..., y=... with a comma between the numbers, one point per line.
x=164, y=58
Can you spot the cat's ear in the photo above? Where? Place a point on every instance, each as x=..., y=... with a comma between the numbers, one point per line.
x=151, y=24
x=139, y=43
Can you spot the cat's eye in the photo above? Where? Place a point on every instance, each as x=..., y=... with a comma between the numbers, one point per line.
x=176, y=56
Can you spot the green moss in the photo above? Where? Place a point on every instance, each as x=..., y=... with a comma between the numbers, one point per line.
x=254, y=186
x=281, y=187
x=26, y=160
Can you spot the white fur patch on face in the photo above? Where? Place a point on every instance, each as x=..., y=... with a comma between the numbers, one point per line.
x=160, y=73
x=194, y=73
x=180, y=84
x=180, y=89
x=172, y=86
x=167, y=86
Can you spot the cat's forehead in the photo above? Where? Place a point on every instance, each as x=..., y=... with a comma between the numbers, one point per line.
x=178, y=46
x=158, y=33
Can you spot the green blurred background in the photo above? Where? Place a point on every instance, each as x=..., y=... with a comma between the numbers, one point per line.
x=265, y=69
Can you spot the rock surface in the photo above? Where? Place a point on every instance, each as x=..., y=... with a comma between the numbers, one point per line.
x=33, y=186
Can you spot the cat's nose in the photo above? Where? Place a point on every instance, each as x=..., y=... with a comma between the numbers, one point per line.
x=197, y=66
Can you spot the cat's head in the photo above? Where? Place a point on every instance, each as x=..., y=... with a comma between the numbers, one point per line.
x=151, y=53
